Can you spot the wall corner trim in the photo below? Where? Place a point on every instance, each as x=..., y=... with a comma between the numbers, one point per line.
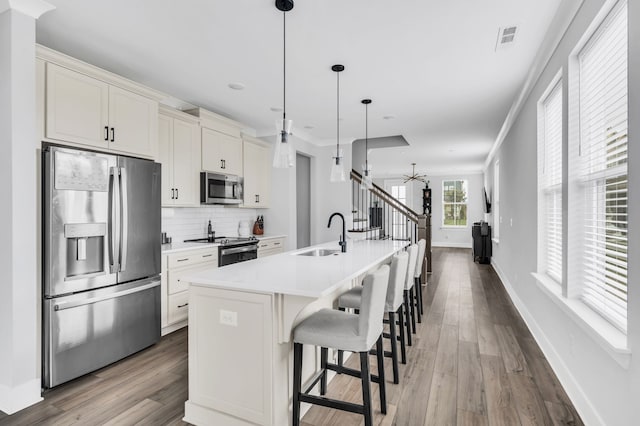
x=577, y=395
x=33, y=8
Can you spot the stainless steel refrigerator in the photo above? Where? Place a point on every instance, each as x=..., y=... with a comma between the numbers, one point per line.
x=101, y=260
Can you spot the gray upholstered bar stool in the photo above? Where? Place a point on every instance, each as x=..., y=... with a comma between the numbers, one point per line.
x=335, y=329
x=408, y=292
x=397, y=276
x=422, y=246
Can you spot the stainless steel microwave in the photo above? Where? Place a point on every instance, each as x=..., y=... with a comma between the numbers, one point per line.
x=220, y=189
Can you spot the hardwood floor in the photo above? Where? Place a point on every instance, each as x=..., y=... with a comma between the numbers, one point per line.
x=473, y=362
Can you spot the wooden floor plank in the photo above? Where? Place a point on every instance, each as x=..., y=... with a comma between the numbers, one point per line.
x=501, y=407
x=531, y=408
x=514, y=360
x=469, y=418
x=471, y=393
x=441, y=408
x=135, y=414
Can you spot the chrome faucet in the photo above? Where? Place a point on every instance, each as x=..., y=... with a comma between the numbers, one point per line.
x=343, y=237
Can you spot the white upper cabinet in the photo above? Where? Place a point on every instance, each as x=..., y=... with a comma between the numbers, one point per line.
x=77, y=107
x=221, y=153
x=221, y=143
x=257, y=173
x=85, y=110
x=179, y=153
x=133, y=120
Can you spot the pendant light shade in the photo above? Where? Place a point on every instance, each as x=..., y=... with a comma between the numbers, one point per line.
x=367, y=181
x=337, y=166
x=285, y=154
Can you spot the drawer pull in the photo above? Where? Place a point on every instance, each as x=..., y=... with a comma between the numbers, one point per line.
x=276, y=244
x=182, y=260
x=207, y=255
x=264, y=245
x=183, y=305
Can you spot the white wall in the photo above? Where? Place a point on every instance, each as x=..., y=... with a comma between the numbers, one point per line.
x=603, y=391
x=19, y=285
x=326, y=197
x=456, y=237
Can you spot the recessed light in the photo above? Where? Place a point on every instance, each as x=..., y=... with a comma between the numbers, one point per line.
x=389, y=117
x=276, y=109
x=308, y=127
x=236, y=86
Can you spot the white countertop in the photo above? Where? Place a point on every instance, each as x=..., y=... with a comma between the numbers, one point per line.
x=290, y=274
x=182, y=246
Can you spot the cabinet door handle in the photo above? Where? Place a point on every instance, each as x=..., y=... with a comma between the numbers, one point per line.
x=106, y=133
x=183, y=305
x=276, y=244
x=182, y=260
x=221, y=163
x=113, y=134
x=173, y=196
x=257, y=198
x=207, y=255
x=177, y=194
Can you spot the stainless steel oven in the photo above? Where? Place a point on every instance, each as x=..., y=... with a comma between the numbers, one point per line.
x=237, y=253
x=220, y=189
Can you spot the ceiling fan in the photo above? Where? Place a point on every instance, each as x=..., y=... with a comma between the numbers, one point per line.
x=414, y=176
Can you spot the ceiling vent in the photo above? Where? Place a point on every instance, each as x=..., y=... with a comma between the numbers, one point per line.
x=506, y=37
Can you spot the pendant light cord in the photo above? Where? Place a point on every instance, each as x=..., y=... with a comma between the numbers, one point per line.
x=366, y=139
x=284, y=67
x=338, y=120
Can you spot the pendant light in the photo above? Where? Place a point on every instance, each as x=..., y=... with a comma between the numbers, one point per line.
x=367, y=182
x=284, y=155
x=415, y=176
x=337, y=166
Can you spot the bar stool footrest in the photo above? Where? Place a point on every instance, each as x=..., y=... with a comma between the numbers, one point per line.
x=332, y=403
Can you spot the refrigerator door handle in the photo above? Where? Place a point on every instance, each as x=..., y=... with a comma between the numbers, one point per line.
x=74, y=304
x=124, y=219
x=114, y=183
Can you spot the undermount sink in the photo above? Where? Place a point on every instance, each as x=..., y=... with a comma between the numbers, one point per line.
x=318, y=252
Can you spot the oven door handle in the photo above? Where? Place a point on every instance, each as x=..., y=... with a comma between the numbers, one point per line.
x=244, y=249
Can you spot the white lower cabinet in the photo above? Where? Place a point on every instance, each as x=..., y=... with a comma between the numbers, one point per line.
x=175, y=290
x=270, y=246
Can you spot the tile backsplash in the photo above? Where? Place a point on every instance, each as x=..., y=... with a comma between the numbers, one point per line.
x=188, y=223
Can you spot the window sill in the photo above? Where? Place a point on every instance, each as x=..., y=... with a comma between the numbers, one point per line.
x=612, y=340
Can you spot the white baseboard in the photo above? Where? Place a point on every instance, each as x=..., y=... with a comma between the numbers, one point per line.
x=15, y=399
x=450, y=245
x=581, y=402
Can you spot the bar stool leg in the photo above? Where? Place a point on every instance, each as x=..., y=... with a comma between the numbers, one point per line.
x=413, y=311
x=394, y=346
x=366, y=389
x=382, y=388
x=341, y=353
x=403, y=349
x=406, y=317
x=420, y=299
x=323, y=365
x=417, y=299
x=297, y=382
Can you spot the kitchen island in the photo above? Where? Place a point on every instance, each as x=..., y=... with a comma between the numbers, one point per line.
x=240, y=323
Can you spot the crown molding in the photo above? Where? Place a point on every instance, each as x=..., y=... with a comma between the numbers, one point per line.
x=32, y=8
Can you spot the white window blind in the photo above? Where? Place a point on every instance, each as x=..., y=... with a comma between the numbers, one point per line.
x=550, y=182
x=599, y=171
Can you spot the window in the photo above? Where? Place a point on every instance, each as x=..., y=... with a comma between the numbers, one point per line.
x=454, y=203
x=401, y=192
x=598, y=172
x=496, y=200
x=550, y=182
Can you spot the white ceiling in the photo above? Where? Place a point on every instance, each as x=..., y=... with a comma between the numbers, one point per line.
x=431, y=64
